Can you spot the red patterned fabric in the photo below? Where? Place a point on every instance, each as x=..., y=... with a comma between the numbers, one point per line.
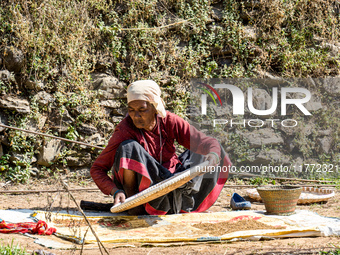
x=39, y=228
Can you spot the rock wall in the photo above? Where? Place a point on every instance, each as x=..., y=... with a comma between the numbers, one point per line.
x=67, y=76
x=294, y=139
x=53, y=153
x=314, y=139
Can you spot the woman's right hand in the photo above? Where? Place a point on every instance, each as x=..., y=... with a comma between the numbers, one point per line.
x=118, y=196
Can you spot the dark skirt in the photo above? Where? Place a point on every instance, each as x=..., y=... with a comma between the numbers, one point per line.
x=195, y=196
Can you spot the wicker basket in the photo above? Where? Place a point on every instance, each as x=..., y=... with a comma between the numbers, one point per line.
x=280, y=200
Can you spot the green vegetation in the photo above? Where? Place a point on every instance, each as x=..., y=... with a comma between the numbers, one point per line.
x=335, y=252
x=64, y=42
x=12, y=250
x=261, y=181
x=171, y=42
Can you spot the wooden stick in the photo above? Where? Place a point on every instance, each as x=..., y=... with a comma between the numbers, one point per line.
x=254, y=186
x=51, y=136
x=22, y=192
x=44, y=191
x=100, y=244
x=82, y=245
x=240, y=186
x=154, y=28
x=275, y=178
x=300, y=180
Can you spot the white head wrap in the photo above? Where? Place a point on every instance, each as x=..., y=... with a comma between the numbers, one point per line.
x=147, y=90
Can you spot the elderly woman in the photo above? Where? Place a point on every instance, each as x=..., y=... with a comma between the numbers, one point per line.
x=141, y=153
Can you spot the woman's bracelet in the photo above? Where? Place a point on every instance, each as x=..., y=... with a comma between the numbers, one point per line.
x=118, y=190
x=214, y=153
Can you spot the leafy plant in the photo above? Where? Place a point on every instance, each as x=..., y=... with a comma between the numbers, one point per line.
x=171, y=42
x=11, y=249
x=335, y=252
x=261, y=181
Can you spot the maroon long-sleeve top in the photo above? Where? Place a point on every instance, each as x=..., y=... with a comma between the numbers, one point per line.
x=172, y=128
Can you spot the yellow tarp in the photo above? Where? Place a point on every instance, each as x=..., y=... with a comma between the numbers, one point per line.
x=170, y=228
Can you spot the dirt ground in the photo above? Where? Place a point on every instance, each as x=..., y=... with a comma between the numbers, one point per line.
x=61, y=201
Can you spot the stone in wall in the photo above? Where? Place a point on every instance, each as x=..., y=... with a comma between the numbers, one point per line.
x=22, y=160
x=82, y=172
x=36, y=124
x=50, y=152
x=220, y=111
x=333, y=49
x=325, y=144
x=119, y=112
x=331, y=85
x=265, y=136
x=251, y=158
x=61, y=120
x=14, y=103
x=4, y=140
x=249, y=33
x=13, y=59
x=107, y=126
x=269, y=79
x=262, y=100
x=272, y=156
x=114, y=107
x=3, y=120
x=6, y=77
x=34, y=171
x=107, y=111
x=325, y=132
x=297, y=164
x=87, y=129
x=95, y=139
x=79, y=159
x=194, y=111
x=34, y=85
x=43, y=98
x=304, y=128
x=117, y=119
x=217, y=12
x=337, y=158
x=312, y=105
x=336, y=105
x=109, y=86
x=81, y=110
x=225, y=61
x=111, y=104
x=290, y=143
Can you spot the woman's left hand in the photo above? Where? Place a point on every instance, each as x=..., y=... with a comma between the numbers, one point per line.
x=212, y=158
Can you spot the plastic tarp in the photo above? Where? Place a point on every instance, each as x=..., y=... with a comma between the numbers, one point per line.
x=185, y=227
x=113, y=228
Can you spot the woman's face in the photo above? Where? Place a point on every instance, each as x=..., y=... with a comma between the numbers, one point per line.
x=142, y=114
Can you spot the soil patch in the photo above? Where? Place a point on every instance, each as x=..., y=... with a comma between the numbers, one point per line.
x=58, y=201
